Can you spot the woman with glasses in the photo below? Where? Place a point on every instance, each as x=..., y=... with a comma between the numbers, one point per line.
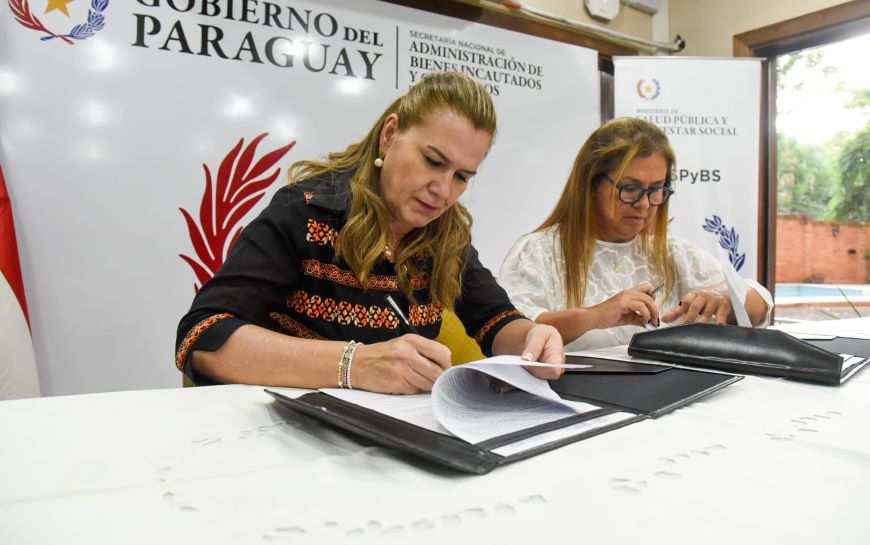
x=602, y=266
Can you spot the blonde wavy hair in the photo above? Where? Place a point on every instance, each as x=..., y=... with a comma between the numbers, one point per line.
x=612, y=147
x=439, y=249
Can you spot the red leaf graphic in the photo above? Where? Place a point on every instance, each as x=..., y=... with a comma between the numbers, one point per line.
x=206, y=206
x=196, y=238
x=255, y=187
x=21, y=11
x=225, y=201
x=222, y=190
x=243, y=164
x=243, y=209
x=269, y=160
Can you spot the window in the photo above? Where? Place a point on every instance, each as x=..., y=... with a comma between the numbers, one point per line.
x=803, y=175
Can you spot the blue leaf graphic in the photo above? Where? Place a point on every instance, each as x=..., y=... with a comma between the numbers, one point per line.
x=96, y=21
x=729, y=239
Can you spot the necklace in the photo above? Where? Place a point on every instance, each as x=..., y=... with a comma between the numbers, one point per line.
x=617, y=263
x=389, y=251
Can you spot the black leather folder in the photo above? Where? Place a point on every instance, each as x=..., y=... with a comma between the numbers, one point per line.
x=745, y=350
x=652, y=393
x=642, y=395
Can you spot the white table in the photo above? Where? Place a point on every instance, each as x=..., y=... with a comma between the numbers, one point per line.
x=762, y=461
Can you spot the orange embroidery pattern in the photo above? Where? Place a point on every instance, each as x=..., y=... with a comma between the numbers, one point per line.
x=425, y=314
x=320, y=233
x=489, y=325
x=419, y=282
x=193, y=336
x=333, y=273
x=294, y=327
x=308, y=196
x=343, y=312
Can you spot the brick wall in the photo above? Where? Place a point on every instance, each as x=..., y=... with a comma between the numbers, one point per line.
x=828, y=252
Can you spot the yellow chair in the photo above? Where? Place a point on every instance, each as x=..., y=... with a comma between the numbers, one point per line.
x=463, y=348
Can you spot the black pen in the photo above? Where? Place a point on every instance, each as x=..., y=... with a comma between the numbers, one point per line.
x=402, y=317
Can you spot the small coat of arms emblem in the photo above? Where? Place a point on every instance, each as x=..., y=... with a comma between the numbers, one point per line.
x=648, y=89
x=93, y=23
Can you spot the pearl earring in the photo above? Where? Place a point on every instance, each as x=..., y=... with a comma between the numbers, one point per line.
x=379, y=162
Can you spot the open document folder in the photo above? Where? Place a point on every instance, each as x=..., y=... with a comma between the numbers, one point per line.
x=466, y=425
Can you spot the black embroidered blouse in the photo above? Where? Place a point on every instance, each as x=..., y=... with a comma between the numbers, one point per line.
x=282, y=274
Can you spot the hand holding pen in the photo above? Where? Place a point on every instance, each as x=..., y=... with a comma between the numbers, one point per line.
x=650, y=325
x=407, y=364
x=633, y=306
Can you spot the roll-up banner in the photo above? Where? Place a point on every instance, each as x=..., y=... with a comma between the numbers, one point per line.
x=710, y=110
x=139, y=136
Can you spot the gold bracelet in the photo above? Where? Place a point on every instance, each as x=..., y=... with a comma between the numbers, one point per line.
x=344, y=364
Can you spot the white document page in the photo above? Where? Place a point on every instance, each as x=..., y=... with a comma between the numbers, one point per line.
x=562, y=433
x=516, y=360
x=812, y=336
x=463, y=403
x=737, y=289
x=415, y=409
x=857, y=328
x=851, y=365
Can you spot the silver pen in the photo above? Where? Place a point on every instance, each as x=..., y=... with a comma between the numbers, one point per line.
x=402, y=317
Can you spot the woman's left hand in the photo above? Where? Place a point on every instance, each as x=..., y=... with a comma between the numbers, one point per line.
x=700, y=306
x=544, y=344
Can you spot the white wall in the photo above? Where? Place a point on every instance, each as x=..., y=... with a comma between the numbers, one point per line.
x=709, y=26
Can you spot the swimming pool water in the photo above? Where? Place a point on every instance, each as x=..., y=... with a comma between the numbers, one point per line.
x=821, y=290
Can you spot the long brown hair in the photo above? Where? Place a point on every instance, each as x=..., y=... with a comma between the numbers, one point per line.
x=612, y=147
x=441, y=246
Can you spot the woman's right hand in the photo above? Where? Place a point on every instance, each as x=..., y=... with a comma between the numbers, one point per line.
x=633, y=306
x=405, y=365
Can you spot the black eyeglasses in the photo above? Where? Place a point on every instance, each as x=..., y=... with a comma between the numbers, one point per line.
x=632, y=192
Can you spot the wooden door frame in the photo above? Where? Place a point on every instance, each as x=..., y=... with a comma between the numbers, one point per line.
x=833, y=24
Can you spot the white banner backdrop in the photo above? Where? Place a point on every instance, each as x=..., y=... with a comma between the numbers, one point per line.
x=710, y=110
x=139, y=136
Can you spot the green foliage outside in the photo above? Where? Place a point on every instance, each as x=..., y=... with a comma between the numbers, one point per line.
x=806, y=178
x=828, y=181
x=853, y=202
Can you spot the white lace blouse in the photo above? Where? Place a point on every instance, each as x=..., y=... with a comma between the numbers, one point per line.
x=531, y=274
